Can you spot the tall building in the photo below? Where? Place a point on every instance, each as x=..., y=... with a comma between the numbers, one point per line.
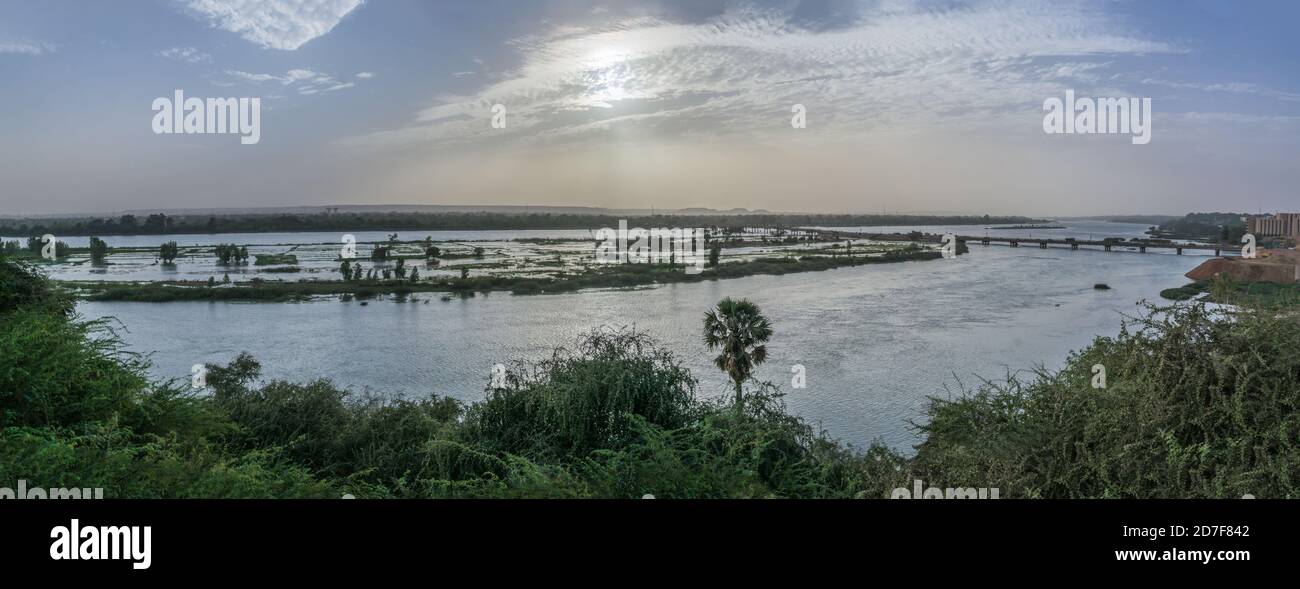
x=1276, y=225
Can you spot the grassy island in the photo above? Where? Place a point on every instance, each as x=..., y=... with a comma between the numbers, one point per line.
x=622, y=275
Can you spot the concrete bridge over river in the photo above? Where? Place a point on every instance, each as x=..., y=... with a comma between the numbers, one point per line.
x=1107, y=244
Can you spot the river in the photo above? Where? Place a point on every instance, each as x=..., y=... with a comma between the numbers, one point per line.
x=875, y=340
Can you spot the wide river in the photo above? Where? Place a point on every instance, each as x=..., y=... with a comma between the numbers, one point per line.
x=876, y=340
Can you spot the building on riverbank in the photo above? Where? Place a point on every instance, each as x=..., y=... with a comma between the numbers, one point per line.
x=1275, y=225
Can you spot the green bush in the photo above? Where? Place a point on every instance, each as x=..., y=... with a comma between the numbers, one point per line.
x=22, y=286
x=582, y=400
x=1198, y=403
x=763, y=453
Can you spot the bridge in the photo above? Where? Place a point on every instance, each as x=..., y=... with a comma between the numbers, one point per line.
x=1108, y=244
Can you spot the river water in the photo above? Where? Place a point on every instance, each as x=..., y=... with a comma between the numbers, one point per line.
x=875, y=340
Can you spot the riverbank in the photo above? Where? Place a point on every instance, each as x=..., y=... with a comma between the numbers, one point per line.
x=1255, y=294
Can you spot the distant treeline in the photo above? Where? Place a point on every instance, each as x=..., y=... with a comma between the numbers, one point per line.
x=1223, y=227
x=160, y=224
x=1143, y=219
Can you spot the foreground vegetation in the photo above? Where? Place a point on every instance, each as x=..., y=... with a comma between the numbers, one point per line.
x=1224, y=290
x=1197, y=404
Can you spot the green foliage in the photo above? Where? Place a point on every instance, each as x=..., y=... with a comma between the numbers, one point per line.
x=582, y=400
x=738, y=330
x=1223, y=289
x=76, y=411
x=168, y=252
x=1198, y=403
x=229, y=253
x=52, y=371
x=98, y=250
x=22, y=286
x=36, y=243
x=128, y=466
x=761, y=453
x=274, y=259
x=1183, y=293
x=1225, y=228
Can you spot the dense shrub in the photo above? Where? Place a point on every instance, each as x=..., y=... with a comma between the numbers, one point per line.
x=22, y=286
x=1197, y=403
x=763, y=453
x=582, y=400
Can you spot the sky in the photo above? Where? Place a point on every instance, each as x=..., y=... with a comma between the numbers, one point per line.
x=909, y=106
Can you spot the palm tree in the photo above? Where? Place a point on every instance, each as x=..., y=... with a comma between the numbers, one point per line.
x=738, y=330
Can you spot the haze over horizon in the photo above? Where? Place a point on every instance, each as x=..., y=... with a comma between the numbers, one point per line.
x=557, y=209
x=912, y=106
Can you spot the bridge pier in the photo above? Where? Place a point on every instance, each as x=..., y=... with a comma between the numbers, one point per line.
x=1180, y=251
x=985, y=241
x=1216, y=251
x=1074, y=246
x=1142, y=249
x=1107, y=246
x=1014, y=243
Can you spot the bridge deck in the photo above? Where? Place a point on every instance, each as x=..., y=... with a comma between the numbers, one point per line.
x=1107, y=244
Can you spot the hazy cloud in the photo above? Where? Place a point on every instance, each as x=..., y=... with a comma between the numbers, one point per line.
x=25, y=48
x=1232, y=87
x=731, y=74
x=274, y=24
x=186, y=54
x=304, y=81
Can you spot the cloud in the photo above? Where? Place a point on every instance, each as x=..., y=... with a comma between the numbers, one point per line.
x=366, y=75
x=304, y=81
x=252, y=77
x=25, y=48
x=274, y=24
x=1230, y=87
x=1082, y=71
x=907, y=65
x=186, y=54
